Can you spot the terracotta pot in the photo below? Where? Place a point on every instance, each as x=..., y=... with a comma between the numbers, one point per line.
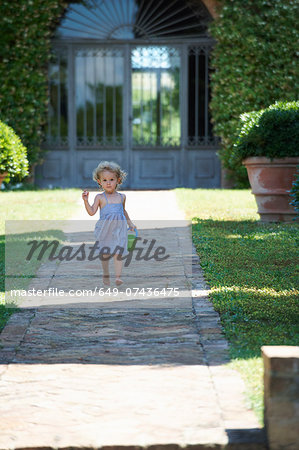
x=2, y=176
x=270, y=181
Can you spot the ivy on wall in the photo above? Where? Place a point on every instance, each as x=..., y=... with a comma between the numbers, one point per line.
x=254, y=64
x=26, y=29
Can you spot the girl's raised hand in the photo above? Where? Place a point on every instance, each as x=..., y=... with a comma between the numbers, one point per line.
x=85, y=195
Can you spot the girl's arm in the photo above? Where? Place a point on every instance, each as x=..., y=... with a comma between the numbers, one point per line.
x=129, y=222
x=91, y=209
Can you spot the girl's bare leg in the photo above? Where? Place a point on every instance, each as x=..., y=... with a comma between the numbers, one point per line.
x=105, y=265
x=118, y=265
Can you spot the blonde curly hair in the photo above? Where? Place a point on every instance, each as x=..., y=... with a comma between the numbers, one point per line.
x=112, y=167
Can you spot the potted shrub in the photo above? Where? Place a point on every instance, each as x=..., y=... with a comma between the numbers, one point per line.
x=268, y=147
x=13, y=155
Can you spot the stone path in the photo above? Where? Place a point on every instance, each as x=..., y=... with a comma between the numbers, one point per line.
x=125, y=370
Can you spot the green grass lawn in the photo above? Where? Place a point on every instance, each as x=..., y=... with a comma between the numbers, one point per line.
x=252, y=272
x=55, y=204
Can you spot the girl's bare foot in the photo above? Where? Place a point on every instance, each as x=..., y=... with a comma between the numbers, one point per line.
x=106, y=280
x=118, y=281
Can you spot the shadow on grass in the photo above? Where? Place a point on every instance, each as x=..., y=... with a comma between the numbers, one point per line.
x=12, y=252
x=4, y=312
x=251, y=269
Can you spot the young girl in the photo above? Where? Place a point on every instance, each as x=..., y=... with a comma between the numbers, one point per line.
x=111, y=229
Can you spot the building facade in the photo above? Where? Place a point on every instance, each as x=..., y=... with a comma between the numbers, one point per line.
x=129, y=82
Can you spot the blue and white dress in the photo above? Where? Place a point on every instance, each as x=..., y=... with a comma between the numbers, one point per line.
x=111, y=229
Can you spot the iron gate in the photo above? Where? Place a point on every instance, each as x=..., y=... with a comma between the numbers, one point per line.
x=142, y=104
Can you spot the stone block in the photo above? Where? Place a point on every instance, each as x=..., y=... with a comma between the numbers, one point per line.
x=281, y=396
x=283, y=358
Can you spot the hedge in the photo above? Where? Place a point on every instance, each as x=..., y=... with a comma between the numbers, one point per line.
x=26, y=30
x=253, y=65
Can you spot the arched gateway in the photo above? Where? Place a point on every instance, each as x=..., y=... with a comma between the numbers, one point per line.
x=129, y=82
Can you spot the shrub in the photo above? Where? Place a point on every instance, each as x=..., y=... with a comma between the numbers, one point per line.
x=13, y=154
x=272, y=132
x=254, y=64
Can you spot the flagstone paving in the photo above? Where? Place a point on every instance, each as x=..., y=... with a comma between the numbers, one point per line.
x=128, y=369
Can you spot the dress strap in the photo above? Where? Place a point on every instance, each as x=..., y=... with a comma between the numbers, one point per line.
x=106, y=197
x=122, y=198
